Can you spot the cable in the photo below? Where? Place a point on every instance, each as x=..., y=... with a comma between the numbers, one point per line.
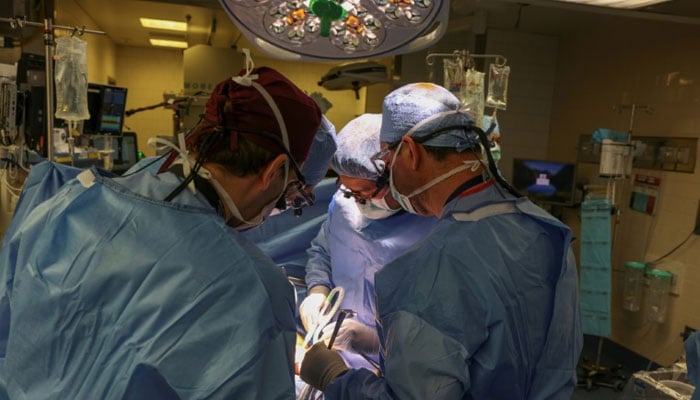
x=492, y=164
x=203, y=156
x=672, y=250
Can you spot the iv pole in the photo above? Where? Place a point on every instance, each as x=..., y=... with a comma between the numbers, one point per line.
x=597, y=369
x=464, y=54
x=49, y=27
x=619, y=108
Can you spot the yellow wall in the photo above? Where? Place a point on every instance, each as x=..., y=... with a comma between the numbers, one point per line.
x=100, y=48
x=625, y=61
x=148, y=73
x=306, y=75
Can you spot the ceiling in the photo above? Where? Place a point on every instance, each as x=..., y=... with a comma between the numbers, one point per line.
x=209, y=24
x=119, y=19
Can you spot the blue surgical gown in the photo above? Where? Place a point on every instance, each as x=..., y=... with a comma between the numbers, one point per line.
x=349, y=249
x=480, y=309
x=106, y=291
x=692, y=356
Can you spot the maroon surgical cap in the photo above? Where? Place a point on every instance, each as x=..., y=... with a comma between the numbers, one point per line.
x=237, y=106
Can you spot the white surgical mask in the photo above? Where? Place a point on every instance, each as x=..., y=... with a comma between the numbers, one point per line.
x=234, y=212
x=376, y=209
x=405, y=200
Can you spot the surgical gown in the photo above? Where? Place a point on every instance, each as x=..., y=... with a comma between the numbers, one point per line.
x=692, y=356
x=486, y=307
x=108, y=292
x=349, y=249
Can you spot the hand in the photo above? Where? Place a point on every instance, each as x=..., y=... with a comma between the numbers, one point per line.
x=310, y=308
x=353, y=336
x=321, y=365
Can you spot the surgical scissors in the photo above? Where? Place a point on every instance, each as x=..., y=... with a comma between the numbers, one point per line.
x=330, y=306
x=308, y=392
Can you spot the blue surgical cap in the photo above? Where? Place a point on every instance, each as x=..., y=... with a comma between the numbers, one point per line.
x=322, y=149
x=411, y=104
x=357, y=142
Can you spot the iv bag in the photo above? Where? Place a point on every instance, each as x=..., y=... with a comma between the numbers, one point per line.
x=498, y=86
x=454, y=77
x=474, y=95
x=70, y=75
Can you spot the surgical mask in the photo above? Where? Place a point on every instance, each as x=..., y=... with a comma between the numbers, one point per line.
x=405, y=200
x=376, y=209
x=245, y=224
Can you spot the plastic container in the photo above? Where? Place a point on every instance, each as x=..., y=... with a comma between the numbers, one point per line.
x=662, y=384
x=634, y=285
x=657, y=300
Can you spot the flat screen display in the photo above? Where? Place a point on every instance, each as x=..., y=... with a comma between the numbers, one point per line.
x=545, y=181
x=106, y=105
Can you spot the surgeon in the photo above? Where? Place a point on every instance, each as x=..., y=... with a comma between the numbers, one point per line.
x=484, y=307
x=364, y=230
x=143, y=286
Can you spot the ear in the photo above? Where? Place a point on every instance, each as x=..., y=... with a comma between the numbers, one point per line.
x=414, y=151
x=270, y=171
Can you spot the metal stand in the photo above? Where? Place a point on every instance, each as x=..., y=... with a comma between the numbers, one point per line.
x=594, y=375
x=49, y=27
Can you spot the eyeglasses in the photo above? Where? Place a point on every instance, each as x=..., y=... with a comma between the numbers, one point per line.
x=379, y=161
x=381, y=158
x=296, y=197
x=347, y=193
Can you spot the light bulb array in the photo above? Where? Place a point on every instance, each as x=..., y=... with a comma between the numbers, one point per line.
x=354, y=27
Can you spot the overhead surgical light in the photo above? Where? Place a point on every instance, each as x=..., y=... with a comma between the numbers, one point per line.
x=617, y=3
x=326, y=30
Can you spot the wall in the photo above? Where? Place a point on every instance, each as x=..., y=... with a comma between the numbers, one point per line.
x=306, y=75
x=625, y=61
x=524, y=125
x=148, y=73
x=101, y=50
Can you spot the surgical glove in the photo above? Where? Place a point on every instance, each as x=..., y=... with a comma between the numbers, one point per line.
x=321, y=366
x=353, y=336
x=310, y=308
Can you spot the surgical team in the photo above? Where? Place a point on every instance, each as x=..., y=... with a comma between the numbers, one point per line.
x=429, y=278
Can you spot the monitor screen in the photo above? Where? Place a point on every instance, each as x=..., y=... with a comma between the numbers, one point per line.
x=125, y=149
x=106, y=105
x=545, y=181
